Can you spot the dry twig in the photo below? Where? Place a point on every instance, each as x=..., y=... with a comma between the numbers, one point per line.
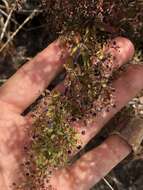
x=108, y=184
x=6, y=23
x=18, y=29
x=6, y=15
x=6, y=4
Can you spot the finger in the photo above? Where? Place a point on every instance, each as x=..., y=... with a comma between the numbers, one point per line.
x=92, y=166
x=126, y=87
x=121, y=51
x=120, y=55
x=27, y=84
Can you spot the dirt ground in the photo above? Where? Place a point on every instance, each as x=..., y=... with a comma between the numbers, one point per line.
x=34, y=36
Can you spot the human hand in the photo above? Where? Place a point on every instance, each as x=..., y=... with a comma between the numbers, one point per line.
x=23, y=88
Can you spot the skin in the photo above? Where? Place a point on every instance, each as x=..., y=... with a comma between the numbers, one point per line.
x=25, y=86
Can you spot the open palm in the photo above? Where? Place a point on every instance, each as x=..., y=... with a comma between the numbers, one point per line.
x=23, y=88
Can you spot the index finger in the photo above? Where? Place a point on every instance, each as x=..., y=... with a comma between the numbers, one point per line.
x=26, y=85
